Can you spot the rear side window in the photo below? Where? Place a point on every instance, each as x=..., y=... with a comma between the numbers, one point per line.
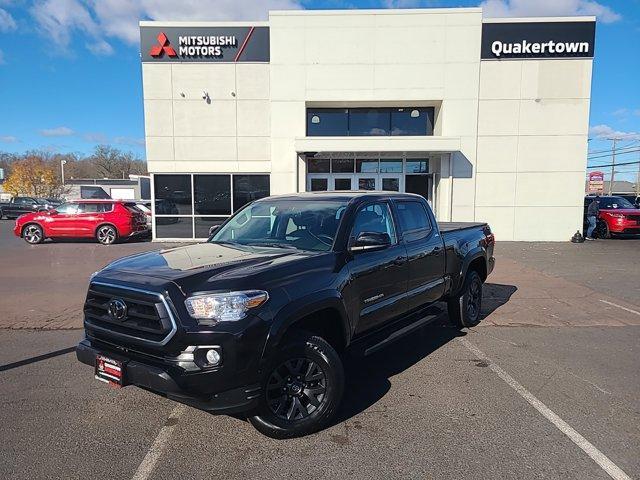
x=95, y=207
x=414, y=220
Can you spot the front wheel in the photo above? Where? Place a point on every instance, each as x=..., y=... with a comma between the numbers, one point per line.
x=464, y=308
x=33, y=234
x=302, y=390
x=106, y=235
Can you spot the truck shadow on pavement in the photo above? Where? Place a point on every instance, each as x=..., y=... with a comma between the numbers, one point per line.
x=367, y=378
x=495, y=295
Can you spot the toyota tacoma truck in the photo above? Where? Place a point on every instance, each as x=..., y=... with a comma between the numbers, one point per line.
x=255, y=321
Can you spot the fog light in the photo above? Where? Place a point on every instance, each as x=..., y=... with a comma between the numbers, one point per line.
x=213, y=357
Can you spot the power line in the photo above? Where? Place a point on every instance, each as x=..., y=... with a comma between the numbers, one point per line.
x=616, y=152
x=610, y=151
x=616, y=164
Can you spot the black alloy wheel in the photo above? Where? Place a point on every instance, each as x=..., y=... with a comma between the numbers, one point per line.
x=302, y=392
x=296, y=389
x=465, y=308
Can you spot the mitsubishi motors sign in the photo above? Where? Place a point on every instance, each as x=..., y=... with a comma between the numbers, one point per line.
x=204, y=44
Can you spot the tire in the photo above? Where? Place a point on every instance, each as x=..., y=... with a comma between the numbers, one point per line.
x=465, y=308
x=33, y=234
x=602, y=229
x=302, y=389
x=1, y=214
x=106, y=234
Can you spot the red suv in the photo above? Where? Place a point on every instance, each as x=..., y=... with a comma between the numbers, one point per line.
x=104, y=220
x=617, y=215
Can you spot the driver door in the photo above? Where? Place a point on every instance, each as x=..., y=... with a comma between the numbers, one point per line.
x=378, y=279
x=63, y=222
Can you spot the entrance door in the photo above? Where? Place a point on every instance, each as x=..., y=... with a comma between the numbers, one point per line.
x=419, y=184
x=343, y=182
x=391, y=182
x=366, y=181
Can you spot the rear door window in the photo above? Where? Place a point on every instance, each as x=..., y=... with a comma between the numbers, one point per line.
x=414, y=220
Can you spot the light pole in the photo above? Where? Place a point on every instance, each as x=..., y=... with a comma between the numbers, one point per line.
x=62, y=162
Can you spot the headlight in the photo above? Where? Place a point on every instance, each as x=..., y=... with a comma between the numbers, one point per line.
x=225, y=307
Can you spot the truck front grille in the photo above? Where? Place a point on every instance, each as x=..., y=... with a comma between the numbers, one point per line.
x=132, y=314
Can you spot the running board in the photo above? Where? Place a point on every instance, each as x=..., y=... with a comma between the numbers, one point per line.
x=377, y=340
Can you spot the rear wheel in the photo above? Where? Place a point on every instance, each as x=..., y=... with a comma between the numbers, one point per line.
x=106, y=234
x=464, y=308
x=33, y=234
x=302, y=390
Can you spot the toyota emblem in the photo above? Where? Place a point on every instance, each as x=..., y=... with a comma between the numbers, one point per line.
x=117, y=309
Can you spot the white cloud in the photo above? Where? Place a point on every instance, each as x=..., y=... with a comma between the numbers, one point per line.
x=620, y=112
x=105, y=19
x=57, y=132
x=545, y=8
x=96, y=137
x=8, y=139
x=603, y=132
x=129, y=141
x=7, y=23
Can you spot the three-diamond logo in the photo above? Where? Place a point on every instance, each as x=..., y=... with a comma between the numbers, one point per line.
x=162, y=47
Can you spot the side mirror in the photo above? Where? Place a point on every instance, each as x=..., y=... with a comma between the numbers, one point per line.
x=212, y=230
x=370, y=241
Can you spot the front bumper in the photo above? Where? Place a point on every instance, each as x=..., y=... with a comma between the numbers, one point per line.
x=170, y=382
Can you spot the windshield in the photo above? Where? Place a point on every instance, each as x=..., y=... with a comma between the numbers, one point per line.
x=305, y=225
x=615, y=203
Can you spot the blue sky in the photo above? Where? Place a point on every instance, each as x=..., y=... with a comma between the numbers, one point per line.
x=70, y=73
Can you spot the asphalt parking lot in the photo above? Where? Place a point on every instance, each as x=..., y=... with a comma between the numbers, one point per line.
x=547, y=387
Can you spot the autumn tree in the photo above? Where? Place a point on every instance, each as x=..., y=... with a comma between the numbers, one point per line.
x=33, y=176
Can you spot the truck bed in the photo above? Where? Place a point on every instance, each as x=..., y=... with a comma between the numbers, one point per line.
x=454, y=226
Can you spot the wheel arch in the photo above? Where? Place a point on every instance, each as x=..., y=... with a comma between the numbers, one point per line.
x=32, y=222
x=102, y=224
x=321, y=313
x=475, y=260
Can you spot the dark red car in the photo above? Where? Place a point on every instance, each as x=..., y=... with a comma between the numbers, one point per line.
x=617, y=215
x=104, y=220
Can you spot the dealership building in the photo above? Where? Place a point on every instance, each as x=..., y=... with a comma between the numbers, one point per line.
x=486, y=118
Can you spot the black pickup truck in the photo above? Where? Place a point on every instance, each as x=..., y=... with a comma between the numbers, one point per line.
x=255, y=320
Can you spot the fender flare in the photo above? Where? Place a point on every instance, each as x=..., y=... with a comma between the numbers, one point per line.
x=473, y=254
x=102, y=224
x=293, y=312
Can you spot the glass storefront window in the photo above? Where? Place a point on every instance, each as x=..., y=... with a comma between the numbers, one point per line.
x=342, y=184
x=247, y=188
x=318, y=165
x=412, y=121
x=203, y=224
x=369, y=121
x=319, y=184
x=174, y=227
x=173, y=194
x=342, y=165
x=339, y=122
x=417, y=166
x=212, y=194
x=391, y=184
x=367, y=166
x=327, y=122
x=391, y=166
x=366, y=184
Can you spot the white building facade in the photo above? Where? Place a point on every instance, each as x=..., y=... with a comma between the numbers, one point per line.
x=487, y=119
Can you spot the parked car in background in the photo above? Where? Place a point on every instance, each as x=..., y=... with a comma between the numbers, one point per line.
x=634, y=199
x=51, y=202
x=105, y=220
x=617, y=216
x=145, y=207
x=20, y=205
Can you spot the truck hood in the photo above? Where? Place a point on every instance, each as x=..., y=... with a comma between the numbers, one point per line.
x=203, y=259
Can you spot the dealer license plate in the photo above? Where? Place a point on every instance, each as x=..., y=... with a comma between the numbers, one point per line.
x=109, y=371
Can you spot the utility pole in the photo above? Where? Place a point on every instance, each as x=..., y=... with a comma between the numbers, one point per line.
x=613, y=164
x=62, y=162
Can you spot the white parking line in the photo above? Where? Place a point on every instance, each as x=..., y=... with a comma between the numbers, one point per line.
x=596, y=455
x=620, y=306
x=160, y=443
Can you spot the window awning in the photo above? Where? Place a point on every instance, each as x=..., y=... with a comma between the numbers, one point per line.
x=436, y=144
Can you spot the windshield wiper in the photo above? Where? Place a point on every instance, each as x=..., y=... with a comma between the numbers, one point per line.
x=273, y=244
x=224, y=242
